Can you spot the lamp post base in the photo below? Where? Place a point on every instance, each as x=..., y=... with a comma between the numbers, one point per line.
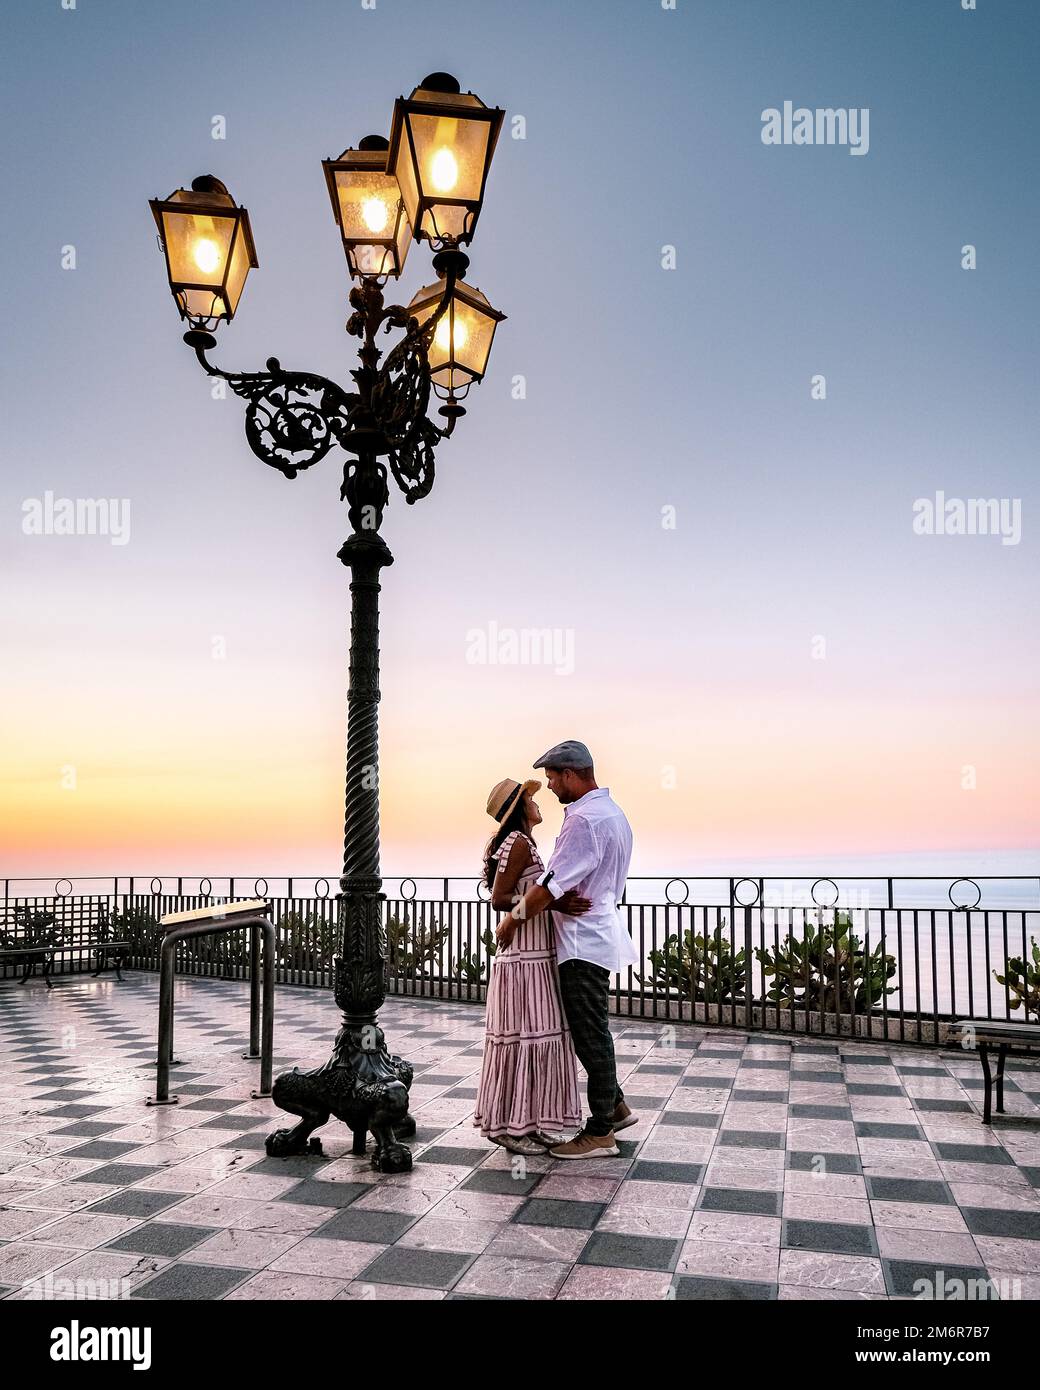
x=363, y=1083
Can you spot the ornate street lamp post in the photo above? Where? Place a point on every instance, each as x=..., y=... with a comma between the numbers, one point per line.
x=427, y=183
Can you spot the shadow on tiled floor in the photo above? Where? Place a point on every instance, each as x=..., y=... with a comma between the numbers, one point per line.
x=762, y=1167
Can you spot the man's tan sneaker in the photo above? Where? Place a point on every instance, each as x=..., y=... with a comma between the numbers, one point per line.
x=585, y=1145
x=623, y=1117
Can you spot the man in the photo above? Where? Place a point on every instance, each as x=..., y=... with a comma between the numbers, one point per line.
x=591, y=857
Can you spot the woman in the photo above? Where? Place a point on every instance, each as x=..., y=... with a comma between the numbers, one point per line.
x=529, y=1082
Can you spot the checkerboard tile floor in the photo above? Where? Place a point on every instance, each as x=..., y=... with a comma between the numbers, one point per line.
x=761, y=1167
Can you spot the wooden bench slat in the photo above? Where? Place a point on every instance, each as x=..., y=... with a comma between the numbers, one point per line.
x=985, y=1030
x=217, y=913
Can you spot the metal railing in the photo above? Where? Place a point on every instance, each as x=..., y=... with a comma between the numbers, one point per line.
x=843, y=956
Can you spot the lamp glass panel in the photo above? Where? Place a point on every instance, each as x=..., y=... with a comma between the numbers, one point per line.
x=405, y=173
x=367, y=203
x=237, y=272
x=462, y=338
x=450, y=154
x=370, y=205
x=197, y=246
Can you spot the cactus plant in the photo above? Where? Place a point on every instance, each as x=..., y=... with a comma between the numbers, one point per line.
x=704, y=970
x=1022, y=979
x=827, y=969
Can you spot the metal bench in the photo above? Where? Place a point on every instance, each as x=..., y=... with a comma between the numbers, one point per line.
x=983, y=1034
x=35, y=940
x=208, y=921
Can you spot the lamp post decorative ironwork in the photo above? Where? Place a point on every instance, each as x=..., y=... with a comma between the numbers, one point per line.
x=425, y=183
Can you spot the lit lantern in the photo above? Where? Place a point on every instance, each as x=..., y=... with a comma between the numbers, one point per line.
x=441, y=145
x=209, y=250
x=368, y=208
x=462, y=339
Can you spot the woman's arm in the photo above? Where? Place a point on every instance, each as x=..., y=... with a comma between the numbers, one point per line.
x=503, y=890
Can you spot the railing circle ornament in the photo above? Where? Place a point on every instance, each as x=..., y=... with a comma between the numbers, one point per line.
x=483, y=891
x=677, y=902
x=407, y=897
x=156, y=886
x=260, y=892
x=205, y=887
x=736, y=892
x=59, y=892
x=317, y=886
x=965, y=907
x=834, y=900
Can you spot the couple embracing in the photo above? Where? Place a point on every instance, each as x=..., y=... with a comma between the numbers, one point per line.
x=558, y=947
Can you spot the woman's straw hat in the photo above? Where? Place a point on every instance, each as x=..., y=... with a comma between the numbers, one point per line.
x=505, y=795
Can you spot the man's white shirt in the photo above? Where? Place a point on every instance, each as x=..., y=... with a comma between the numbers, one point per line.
x=592, y=854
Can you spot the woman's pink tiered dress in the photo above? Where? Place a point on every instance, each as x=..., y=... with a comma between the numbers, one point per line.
x=529, y=1079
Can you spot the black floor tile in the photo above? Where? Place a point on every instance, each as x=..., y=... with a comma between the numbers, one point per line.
x=863, y=1088
x=878, y=1129
x=427, y=1269
x=740, y=1199
x=652, y=1170
x=501, y=1182
x=325, y=1194
x=161, y=1238
x=692, y=1118
x=188, y=1281
x=972, y=1153
x=806, y=1161
x=89, y=1129
x=925, y=1103
x=708, y=1083
x=821, y=1112
x=211, y=1103
x=463, y=1158
x=99, y=1148
x=994, y=1221
x=77, y=1112
x=121, y=1174
x=834, y=1237
x=688, y=1287
x=923, y=1190
x=940, y=1281
x=225, y=1122
x=378, y=1227
x=629, y=1252
x=751, y=1139
x=139, y=1202
x=299, y=1166
x=758, y=1097
x=543, y=1211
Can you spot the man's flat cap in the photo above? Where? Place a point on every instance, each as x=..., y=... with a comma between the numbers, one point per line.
x=570, y=753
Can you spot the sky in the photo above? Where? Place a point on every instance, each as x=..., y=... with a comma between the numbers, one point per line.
x=767, y=659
